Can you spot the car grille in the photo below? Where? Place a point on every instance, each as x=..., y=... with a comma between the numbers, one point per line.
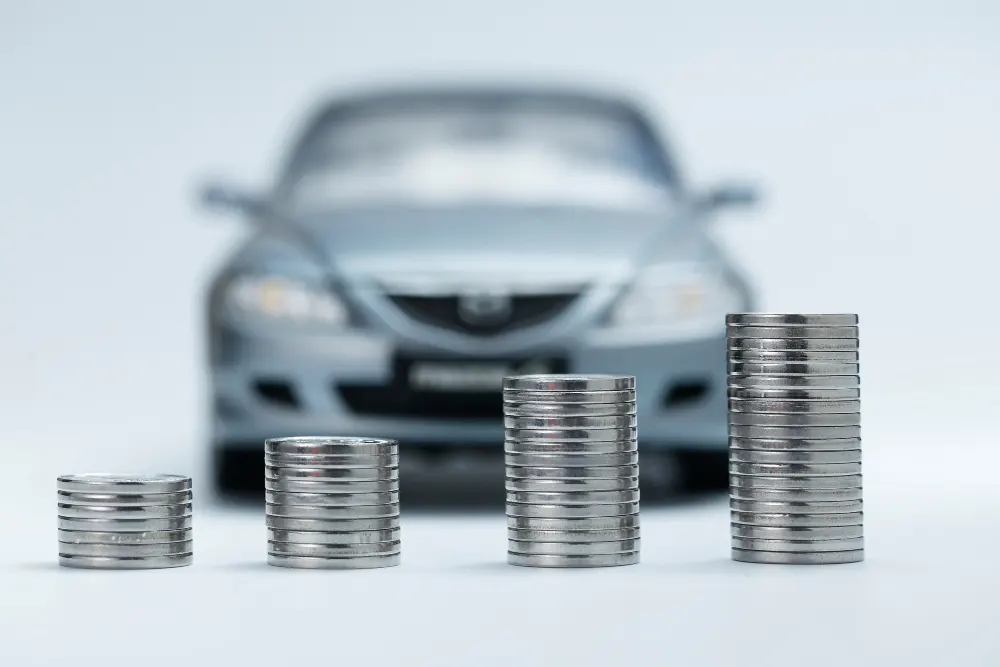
x=446, y=312
x=398, y=398
x=396, y=401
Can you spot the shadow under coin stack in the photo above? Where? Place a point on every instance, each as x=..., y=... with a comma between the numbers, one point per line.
x=124, y=522
x=572, y=470
x=795, y=439
x=332, y=503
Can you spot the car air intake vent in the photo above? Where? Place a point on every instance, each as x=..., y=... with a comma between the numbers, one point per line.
x=486, y=314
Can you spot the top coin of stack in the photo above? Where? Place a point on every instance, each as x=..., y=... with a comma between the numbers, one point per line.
x=795, y=438
x=332, y=502
x=572, y=470
x=108, y=521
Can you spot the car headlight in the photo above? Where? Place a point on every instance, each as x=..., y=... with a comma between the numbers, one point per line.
x=661, y=299
x=281, y=298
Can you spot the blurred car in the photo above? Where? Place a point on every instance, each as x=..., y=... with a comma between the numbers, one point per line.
x=419, y=244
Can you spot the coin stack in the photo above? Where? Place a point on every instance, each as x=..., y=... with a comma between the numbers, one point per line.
x=572, y=470
x=121, y=522
x=332, y=502
x=795, y=439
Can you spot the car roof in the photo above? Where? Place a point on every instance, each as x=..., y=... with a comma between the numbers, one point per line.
x=346, y=104
x=479, y=93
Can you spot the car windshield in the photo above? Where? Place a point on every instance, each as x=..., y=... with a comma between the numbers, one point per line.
x=462, y=156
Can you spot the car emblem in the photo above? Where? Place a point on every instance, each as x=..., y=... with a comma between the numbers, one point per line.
x=484, y=308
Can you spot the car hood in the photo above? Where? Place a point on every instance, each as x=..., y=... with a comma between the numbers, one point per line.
x=378, y=244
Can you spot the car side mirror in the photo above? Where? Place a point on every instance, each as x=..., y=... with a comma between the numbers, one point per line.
x=728, y=196
x=225, y=197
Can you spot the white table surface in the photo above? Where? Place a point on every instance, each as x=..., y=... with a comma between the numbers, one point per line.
x=927, y=594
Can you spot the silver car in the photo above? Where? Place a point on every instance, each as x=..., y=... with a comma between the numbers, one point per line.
x=419, y=244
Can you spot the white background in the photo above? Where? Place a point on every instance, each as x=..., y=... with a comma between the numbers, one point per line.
x=872, y=127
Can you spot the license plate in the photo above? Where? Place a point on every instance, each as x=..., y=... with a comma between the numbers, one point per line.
x=470, y=375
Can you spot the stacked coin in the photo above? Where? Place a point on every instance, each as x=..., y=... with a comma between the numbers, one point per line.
x=795, y=439
x=118, y=522
x=332, y=502
x=572, y=470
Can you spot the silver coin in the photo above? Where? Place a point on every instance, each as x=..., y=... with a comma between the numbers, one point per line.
x=795, y=445
x=795, y=469
x=737, y=342
x=346, y=563
x=97, y=550
x=334, y=538
x=793, y=367
x=565, y=382
x=572, y=460
x=549, y=447
x=512, y=409
x=798, y=546
x=572, y=548
x=570, y=435
x=563, y=398
x=794, y=419
x=789, y=558
x=793, y=432
x=123, y=511
x=792, y=319
x=331, y=445
x=785, y=356
x=562, y=485
x=116, y=500
x=572, y=525
x=794, y=456
x=797, y=507
x=759, y=481
x=792, y=331
x=327, y=474
x=570, y=511
x=331, y=461
x=768, y=394
x=785, y=382
x=609, y=535
x=797, y=520
x=793, y=495
x=277, y=522
x=797, y=532
x=602, y=560
x=311, y=512
x=564, y=423
x=146, y=537
x=330, y=499
x=597, y=472
x=141, y=563
x=124, y=525
x=332, y=487
x=123, y=483
x=333, y=550
x=574, y=497
x=780, y=406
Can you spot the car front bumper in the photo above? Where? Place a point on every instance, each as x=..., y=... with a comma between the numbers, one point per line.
x=269, y=386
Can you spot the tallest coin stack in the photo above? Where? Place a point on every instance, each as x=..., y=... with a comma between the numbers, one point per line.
x=795, y=439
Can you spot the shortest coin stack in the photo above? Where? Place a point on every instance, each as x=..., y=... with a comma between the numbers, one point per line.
x=115, y=522
x=332, y=502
